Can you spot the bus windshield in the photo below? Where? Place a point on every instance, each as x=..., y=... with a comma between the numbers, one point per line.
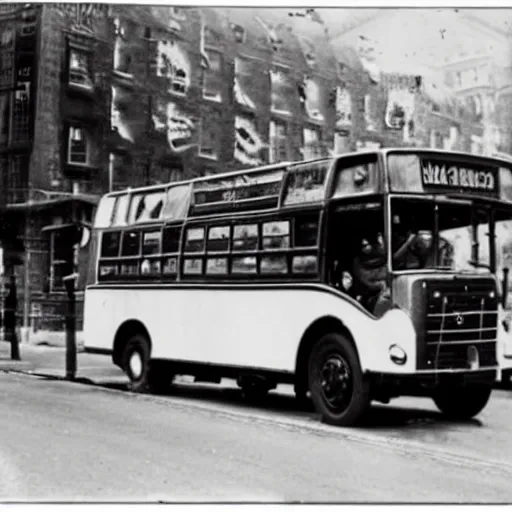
x=442, y=234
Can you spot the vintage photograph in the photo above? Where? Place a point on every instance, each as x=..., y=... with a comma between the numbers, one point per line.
x=255, y=254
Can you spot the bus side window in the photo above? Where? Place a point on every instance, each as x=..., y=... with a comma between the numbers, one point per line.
x=110, y=244
x=170, y=248
x=245, y=237
x=131, y=243
x=306, y=231
x=276, y=235
x=151, y=241
x=218, y=242
x=194, y=241
x=218, y=239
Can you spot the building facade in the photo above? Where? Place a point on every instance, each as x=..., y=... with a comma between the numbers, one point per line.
x=96, y=98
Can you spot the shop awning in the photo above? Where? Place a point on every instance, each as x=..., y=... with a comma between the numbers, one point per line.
x=45, y=203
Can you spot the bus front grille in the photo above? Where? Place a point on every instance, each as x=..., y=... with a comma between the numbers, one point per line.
x=461, y=326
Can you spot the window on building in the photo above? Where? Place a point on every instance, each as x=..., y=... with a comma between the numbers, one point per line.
x=80, y=69
x=21, y=114
x=79, y=146
x=17, y=178
x=243, y=79
x=278, y=141
x=61, y=258
x=312, y=143
x=212, y=76
x=209, y=139
x=282, y=91
x=5, y=118
x=238, y=32
x=124, y=29
x=6, y=68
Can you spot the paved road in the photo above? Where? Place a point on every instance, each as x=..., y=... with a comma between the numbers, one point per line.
x=64, y=441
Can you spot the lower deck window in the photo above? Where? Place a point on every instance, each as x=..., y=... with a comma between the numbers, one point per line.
x=150, y=267
x=274, y=265
x=170, y=266
x=130, y=268
x=305, y=264
x=193, y=266
x=246, y=265
x=107, y=270
x=217, y=266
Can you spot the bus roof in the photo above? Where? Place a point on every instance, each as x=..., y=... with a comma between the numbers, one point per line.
x=288, y=183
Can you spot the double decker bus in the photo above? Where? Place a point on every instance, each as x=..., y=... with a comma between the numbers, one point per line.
x=356, y=278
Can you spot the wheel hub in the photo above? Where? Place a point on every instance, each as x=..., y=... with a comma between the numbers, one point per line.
x=335, y=381
x=136, y=365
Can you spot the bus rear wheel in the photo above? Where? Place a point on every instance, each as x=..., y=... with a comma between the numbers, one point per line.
x=338, y=388
x=135, y=362
x=462, y=402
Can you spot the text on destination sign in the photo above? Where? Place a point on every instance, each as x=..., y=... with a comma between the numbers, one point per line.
x=443, y=175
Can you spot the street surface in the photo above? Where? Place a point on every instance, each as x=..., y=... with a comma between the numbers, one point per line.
x=65, y=441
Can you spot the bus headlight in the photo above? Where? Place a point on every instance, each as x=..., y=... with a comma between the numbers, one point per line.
x=397, y=355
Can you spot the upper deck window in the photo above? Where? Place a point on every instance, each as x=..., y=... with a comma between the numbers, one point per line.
x=356, y=176
x=255, y=190
x=121, y=209
x=146, y=206
x=104, y=212
x=306, y=182
x=176, y=202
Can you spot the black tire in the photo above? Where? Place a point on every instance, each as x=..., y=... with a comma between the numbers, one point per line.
x=462, y=402
x=136, y=353
x=339, y=390
x=160, y=378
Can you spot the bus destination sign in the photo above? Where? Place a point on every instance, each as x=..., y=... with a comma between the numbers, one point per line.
x=480, y=180
x=238, y=193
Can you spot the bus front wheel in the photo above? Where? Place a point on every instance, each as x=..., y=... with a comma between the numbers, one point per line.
x=338, y=387
x=136, y=362
x=463, y=402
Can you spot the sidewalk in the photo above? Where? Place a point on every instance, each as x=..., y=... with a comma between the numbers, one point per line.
x=51, y=362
